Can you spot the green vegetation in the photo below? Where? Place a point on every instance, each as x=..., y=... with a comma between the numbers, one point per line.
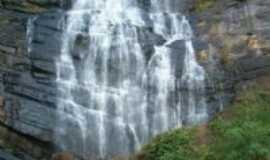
x=202, y=5
x=240, y=133
x=176, y=145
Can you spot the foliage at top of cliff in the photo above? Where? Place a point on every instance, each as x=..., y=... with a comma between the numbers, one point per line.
x=240, y=133
x=204, y=5
x=201, y=5
x=32, y=6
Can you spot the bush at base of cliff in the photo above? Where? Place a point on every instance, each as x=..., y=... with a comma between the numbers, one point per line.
x=175, y=145
x=240, y=133
x=245, y=133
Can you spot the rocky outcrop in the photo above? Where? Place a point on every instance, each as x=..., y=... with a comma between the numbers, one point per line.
x=27, y=105
x=6, y=156
x=237, y=35
x=21, y=146
x=232, y=42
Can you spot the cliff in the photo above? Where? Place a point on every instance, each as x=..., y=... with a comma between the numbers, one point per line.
x=232, y=40
x=26, y=116
x=236, y=33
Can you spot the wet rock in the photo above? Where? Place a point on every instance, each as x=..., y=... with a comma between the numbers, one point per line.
x=8, y=50
x=7, y=156
x=2, y=110
x=52, y=19
x=47, y=36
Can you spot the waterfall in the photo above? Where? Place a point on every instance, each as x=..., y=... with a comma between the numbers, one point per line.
x=115, y=91
x=29, y=33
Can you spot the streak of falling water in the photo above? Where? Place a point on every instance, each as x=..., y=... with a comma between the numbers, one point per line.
x=114, y=98
x=161, y=78
x=193, y=78
x=30, y=33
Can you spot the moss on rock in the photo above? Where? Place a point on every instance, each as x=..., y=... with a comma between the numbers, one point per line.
x=202, y=5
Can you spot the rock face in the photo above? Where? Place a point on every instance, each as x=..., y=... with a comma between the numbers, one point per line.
x=233, y=44
x=237, y=34
x=238, y=38
x=27, y=92
x=6, y=156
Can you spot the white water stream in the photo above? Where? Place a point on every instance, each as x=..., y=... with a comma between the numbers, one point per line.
x=114, y=98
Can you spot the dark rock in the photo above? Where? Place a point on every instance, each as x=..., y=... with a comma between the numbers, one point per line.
x=47, y=38
x=30, y=118
x=52, y=19
x=7, y=156
x=252, y=63
x=25, y=86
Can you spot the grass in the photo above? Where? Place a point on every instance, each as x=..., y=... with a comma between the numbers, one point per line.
x=242, y=132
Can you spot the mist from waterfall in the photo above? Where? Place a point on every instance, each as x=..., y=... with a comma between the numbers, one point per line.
x=115, y=96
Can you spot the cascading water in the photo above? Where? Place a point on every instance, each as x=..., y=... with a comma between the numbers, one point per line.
x=115, y=95
x=29, y=33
